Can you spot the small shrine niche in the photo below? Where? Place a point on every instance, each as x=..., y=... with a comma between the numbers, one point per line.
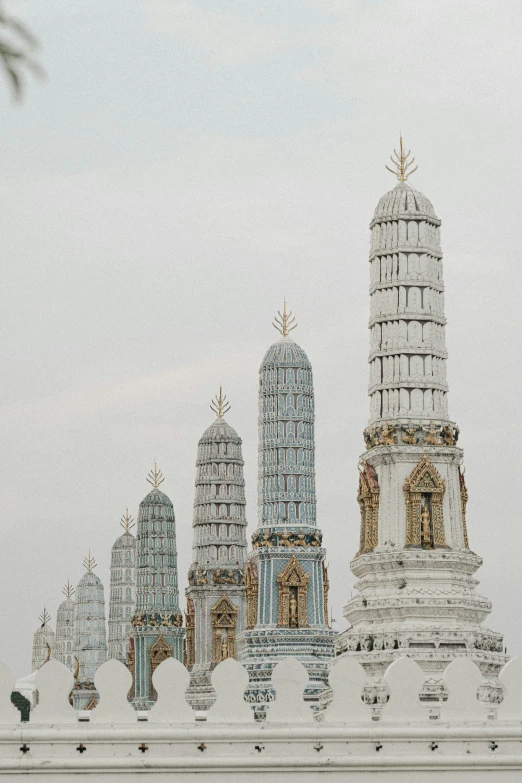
x=292, y=585
x=424, y=492
x=223, y=618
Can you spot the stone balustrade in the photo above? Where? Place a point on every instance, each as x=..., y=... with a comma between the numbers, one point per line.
x=410, y=741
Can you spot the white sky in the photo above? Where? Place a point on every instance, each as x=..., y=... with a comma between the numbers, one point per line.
x=185, y=164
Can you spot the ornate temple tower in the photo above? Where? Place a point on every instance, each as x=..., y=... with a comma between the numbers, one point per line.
x=65, y=628
x=286, y=579
x=90, y=637
x=44, y=641
x=216, y=593
x=123, y=590
x=157, y=631
x=416, y=589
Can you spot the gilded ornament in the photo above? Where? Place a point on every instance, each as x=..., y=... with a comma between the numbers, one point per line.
x=284, y=323
x=402, y=163
x=386, y=436
x=432, y=437
x=409, y=436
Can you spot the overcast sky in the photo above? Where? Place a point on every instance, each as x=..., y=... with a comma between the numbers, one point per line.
x=187, y=163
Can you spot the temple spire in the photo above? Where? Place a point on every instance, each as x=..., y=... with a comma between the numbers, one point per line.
x=127, y=522
x=284, y=323
x=68, y=590
x=402, y=165
x=220, y=405
x=155, y=477
x=89, y=563
x=45, y=617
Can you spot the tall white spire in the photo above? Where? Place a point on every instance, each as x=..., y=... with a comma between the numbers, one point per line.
x=44, y=641
x=90, y=635
x=123, y=590
x=216, y=592
x=416, y=589
x=65, y=628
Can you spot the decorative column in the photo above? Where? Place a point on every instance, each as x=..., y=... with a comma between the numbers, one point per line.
x=416, y=590
x=123, y=590
x=216, y=602
x=65, y=628
x=285, y=577
x=157, y=631
x=90, y=636
x=44, y=641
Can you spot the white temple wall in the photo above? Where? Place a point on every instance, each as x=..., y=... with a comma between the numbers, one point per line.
x=393, y=466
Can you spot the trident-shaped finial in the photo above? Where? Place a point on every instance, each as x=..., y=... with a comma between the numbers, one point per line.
x=45, y=617
x=284, y=322
x=155, y=477
x=68, y=590
x=402, y=165
x=220, y=405
x=127, y=521
x=89, y=563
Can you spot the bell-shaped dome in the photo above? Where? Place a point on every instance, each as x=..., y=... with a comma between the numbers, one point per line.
x=404, y=202
x=89, y=579
x=285, y=353
x=125, y=541
x=219, y=430
x=156, y=498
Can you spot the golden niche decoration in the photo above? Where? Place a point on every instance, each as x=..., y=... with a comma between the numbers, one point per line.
x=368, y=499
x=252, y=589
x=158, y=652
x=190, y=624
x=424, y=492
x=326, y=587
x=292, y=584
x=131, y=666
x=463, y=504
x=223, y=617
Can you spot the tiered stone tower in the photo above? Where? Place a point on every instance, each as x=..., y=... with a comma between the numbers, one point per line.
x=44, y=641
x=216, y=592
x=157, y=631
x=416, y=589
x=286, y=579
x=123, y=590
x=90, y=636
x=65, y=628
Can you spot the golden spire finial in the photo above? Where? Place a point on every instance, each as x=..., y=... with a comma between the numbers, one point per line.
x=89, y=563
x=283, y=324
x=68, y=590
x=45, y=617
x=155, y=477
x=402, y=165
x=220, y=405
x=127, y=521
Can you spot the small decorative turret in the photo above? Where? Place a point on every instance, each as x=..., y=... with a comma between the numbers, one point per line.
x=157, y=631
x=65, y=628
x=90, y=636
x=123, y=590
x=44, y=641
x=216, y=592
